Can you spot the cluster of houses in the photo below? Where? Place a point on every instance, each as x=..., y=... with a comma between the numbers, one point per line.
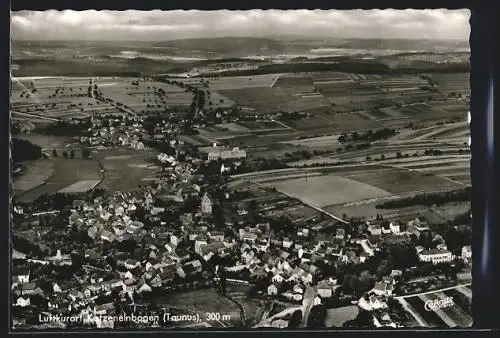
x=119, y=133
x=170, y=253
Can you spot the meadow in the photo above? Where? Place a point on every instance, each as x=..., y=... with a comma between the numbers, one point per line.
x=125, y=169
x=75, y=175
x=321, y=191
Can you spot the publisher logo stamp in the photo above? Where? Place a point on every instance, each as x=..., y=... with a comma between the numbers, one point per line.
x=436, y=304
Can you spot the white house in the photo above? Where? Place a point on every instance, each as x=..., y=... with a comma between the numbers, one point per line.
x=325, y=288
x=206, y=205
x=287, y=243
x=374, y=229
x=371, y=303
x=395, y=227
x=435, y=256
x=174, y=240
x=170, y=248
x=144, y=288
x=23, y=275
x=272, y=289
x=383, y=289
x=466, y=252
x=277, y=278
x=107, y=236
x=56, y=288
x=132, y=264
x=23, y=301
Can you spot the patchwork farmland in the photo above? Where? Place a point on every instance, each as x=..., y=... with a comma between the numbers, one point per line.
x=141, y=95
x=55, y=98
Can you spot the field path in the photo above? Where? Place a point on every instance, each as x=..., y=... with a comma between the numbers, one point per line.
x=465, y=291
x=275, y=80
x=35, y=115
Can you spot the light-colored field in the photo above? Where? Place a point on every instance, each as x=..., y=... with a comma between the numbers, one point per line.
x=281, y=178
x=80, y=186
x=336, y=317
x=141, y=165
x=238, y=82
x=123, y=177
x=66, y=173
x=118, y=157
x=397, y=180
x=327, y=141
x=48, y=142
x=274, y=99
x=233, y=127
x=322, y=191
x=36, y=173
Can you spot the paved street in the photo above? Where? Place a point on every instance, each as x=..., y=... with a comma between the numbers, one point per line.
x=307, y=304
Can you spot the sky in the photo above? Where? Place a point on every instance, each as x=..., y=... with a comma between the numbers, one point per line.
x=157, y=25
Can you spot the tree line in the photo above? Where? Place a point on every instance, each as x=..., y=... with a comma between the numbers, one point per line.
x=429, y=199
x=23, y=150
x=368, y=135
x=63, y=128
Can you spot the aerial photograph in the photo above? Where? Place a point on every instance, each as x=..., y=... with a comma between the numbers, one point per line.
x=249, y=170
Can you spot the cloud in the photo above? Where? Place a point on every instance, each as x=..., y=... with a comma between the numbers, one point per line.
x=178, y=24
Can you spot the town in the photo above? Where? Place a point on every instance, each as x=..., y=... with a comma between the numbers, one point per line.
x=240, y=198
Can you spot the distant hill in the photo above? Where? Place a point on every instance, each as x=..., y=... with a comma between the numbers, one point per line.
x=404, y=44
x=239, y=46
x=235, y=46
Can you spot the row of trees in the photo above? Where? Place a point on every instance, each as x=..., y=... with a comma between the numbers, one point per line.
x=369, y=135
x=71, y=153
x=429, y=199
x=63, y=128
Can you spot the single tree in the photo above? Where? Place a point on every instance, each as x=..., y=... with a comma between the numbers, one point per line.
x=85, y=153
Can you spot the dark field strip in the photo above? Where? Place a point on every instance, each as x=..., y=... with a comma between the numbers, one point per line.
x=455, y=313
x=429, y=316
x=461, y=300
x=379, y=114
x=291, y=81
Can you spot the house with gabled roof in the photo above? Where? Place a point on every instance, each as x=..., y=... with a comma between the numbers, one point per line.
x=22, y=275
x=108, y=236
x=104, y=309
x=383, y=289
x=273, y=289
